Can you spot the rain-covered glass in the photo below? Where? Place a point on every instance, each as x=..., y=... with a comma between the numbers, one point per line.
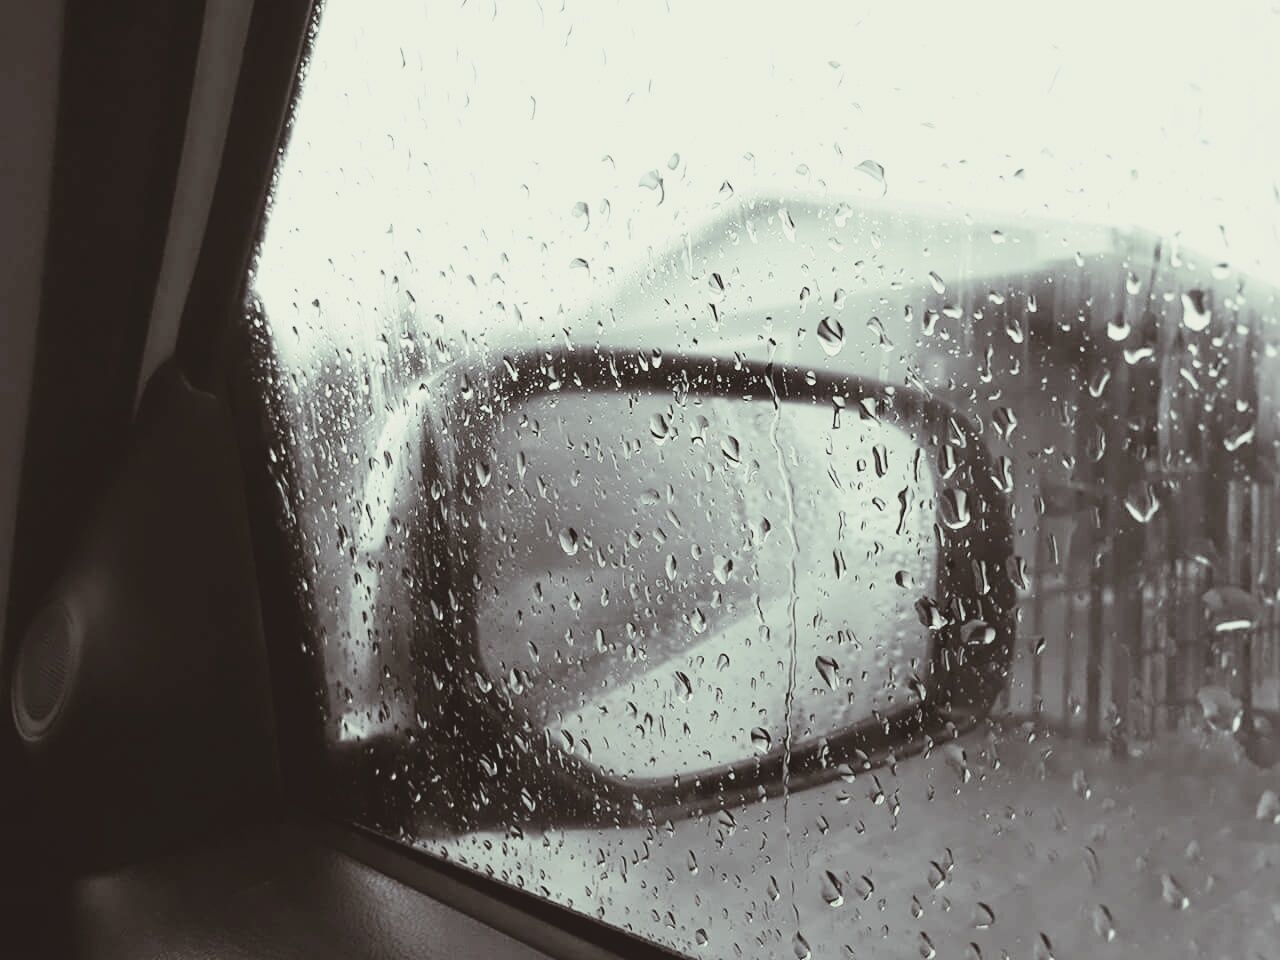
x=795, y=482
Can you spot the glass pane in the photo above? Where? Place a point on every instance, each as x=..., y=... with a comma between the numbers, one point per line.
x=688, y=565
x=799, y=483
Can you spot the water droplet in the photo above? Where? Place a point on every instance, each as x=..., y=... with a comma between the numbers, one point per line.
x=1238, y=440
x=1132, y=284
x=1118, y=327
x=483, y=473
x=660, y=427
x=831, y=335
x=978, y=633
x=929, y=614
x=722, y=662
x=1004, y=420
x=864, y=887
x=1004, y=473
x=1017, y=570
x=880, y=454
x=832, y=890
x=938, y=286
x=671, y=567
x=1135, y=355
x=800, y=947
x=732, y=450
x=1231, y=608
x=1172, y=893
x=698, y=621
x=875, y=171
x=983, y=915
x=918, y=687
x=937, y=875
x=927, y=952
x=569, y=541
x=882, y=337
x=761, y=740
x=1013, y=329
x=1044, y=949
x=653, y=181
x=673, y=161
x=684, y=686
x=953, y=506
x=1098, y=382
x=1195, y=312
x=973, y=952
x=904, y=579
x=1268, y=806
x=788, y=225
x=1142, y=504
x=957, y=760
x=723, y=568
x=700, y=937
x=1103, y=925
x=828, y=669
x=726, y=822
x=1203, y=551
x=1080, y=784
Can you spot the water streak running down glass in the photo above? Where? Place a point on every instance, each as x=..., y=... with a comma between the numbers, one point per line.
x=647, y=386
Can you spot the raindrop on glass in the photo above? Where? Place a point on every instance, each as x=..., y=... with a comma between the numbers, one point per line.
x=684, y=686
x=732, y=450
x=1103, y=925
x=828, y=669
x=953, y=506
x=832, y=890
x=873, y=170
x=569, y=541
x=1195, y=312
x=831, y=335
x=1172, y=893
x=880, y=454
x=659, y=427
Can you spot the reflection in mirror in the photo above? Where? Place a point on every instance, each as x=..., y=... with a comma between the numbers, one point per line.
x=663, y=585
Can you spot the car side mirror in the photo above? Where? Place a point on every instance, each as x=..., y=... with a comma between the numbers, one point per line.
x=677, y=583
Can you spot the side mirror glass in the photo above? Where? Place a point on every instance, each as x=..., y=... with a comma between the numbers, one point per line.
x=711, y=574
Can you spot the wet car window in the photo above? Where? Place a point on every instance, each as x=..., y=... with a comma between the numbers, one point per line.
x=794, y=485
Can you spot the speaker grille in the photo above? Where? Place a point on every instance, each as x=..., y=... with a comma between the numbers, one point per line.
x=43, y=671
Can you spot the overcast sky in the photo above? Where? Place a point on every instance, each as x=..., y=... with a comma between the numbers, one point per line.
x=459, y=139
